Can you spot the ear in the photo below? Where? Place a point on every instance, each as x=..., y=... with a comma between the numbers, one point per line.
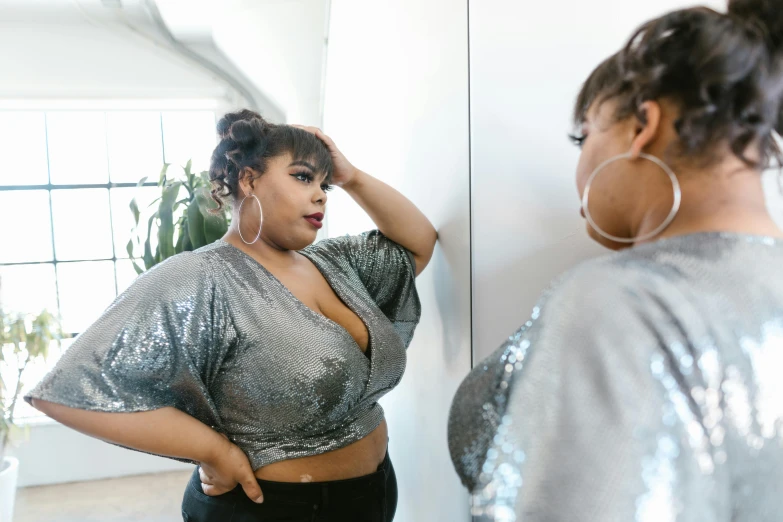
x=646, y=128
x=246, y=182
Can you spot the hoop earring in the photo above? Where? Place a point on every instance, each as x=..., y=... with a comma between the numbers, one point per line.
x=666, y=222
x=239, y=220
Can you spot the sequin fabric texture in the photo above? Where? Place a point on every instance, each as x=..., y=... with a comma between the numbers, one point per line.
x=216, y=335
x=647, y=386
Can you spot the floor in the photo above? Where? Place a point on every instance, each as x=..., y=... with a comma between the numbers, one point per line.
x=148, y=498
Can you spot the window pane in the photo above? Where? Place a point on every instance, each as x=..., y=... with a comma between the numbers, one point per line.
x=189, y=135
x=82, y=227
x=122, y=217
x=86, y=290
x=27, y=230
x=23, y=148
x=126, y=274
x=77, y=147
x=28, y=288
x=135, y=146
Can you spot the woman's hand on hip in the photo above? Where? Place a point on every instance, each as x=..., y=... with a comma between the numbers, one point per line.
x=228, y=467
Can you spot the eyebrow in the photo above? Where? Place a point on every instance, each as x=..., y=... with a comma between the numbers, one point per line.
x=302, y=163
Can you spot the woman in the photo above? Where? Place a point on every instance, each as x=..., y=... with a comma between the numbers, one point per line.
x=262, y=357
x=645, y=386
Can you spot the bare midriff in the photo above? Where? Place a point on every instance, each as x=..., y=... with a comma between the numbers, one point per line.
x=355, y=460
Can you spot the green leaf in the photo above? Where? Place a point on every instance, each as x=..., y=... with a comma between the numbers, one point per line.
x=135, y=209
x=170, y=194
x=187, y=245
x=196, y=226
x=166, y=225
x=215, y=225
x=181, y=225
x=162, y=179
x=190, y=227
x=149, y=259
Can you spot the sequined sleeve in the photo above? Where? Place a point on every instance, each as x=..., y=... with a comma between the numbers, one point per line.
x=386, y=269
x=159, y=344
x=583, y=414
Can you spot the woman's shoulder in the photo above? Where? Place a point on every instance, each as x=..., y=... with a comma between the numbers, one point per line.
x=612, y=274
x=189, y=272
x=608, y=290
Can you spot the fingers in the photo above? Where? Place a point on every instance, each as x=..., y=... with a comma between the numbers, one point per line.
x=213, y=491
x=323, y=137
x=252, y=489
x=311, y=130
x=202, y=475
x=315, y=130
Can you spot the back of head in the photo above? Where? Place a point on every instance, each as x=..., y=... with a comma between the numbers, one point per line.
x=247, y=140
x=724, y=72
x=765, y=14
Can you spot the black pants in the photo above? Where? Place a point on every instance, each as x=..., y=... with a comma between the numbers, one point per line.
x=371, y=498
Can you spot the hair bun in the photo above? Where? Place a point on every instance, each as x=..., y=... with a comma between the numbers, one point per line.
x=247, y=133
x=765, y=14
x=224, y=126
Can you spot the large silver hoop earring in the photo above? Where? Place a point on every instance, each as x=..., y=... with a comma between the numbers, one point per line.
x=666, y=222
x=239, y=220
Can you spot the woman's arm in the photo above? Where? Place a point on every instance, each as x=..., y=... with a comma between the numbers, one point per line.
x=394, y=214
x=168, y=432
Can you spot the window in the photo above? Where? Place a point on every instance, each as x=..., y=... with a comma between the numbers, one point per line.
x=67, y=176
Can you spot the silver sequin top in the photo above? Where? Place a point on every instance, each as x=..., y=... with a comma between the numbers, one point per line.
x=216, y=335
x=647, y=386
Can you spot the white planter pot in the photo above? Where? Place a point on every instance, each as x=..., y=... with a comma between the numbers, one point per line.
x=9, y=473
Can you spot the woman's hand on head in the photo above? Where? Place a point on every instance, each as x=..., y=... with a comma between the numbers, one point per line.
x=344, y=171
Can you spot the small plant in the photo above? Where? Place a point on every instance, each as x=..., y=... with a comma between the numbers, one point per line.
x=23, y=339
x=178, y=224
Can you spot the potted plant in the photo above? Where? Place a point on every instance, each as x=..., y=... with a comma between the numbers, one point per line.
x=179, y=223
x=23, y=339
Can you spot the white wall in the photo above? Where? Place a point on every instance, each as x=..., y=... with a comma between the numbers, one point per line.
x=397, y=105
x=528, y=61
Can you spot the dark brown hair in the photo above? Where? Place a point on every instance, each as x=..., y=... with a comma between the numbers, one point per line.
x=725, y=71
x=247, y=141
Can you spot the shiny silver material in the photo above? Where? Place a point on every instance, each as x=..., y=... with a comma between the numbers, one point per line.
x=216, y=335
x=677, y=195
x=645, y=387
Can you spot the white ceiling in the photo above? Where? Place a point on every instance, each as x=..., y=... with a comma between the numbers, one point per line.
x=277, y=45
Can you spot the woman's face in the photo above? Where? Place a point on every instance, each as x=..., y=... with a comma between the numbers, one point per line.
x=293, y=203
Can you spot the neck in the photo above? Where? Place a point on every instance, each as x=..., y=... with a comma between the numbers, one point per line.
x=715, y=201
x=264, y=248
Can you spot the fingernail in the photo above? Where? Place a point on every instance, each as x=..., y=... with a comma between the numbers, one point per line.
x=260, y=499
